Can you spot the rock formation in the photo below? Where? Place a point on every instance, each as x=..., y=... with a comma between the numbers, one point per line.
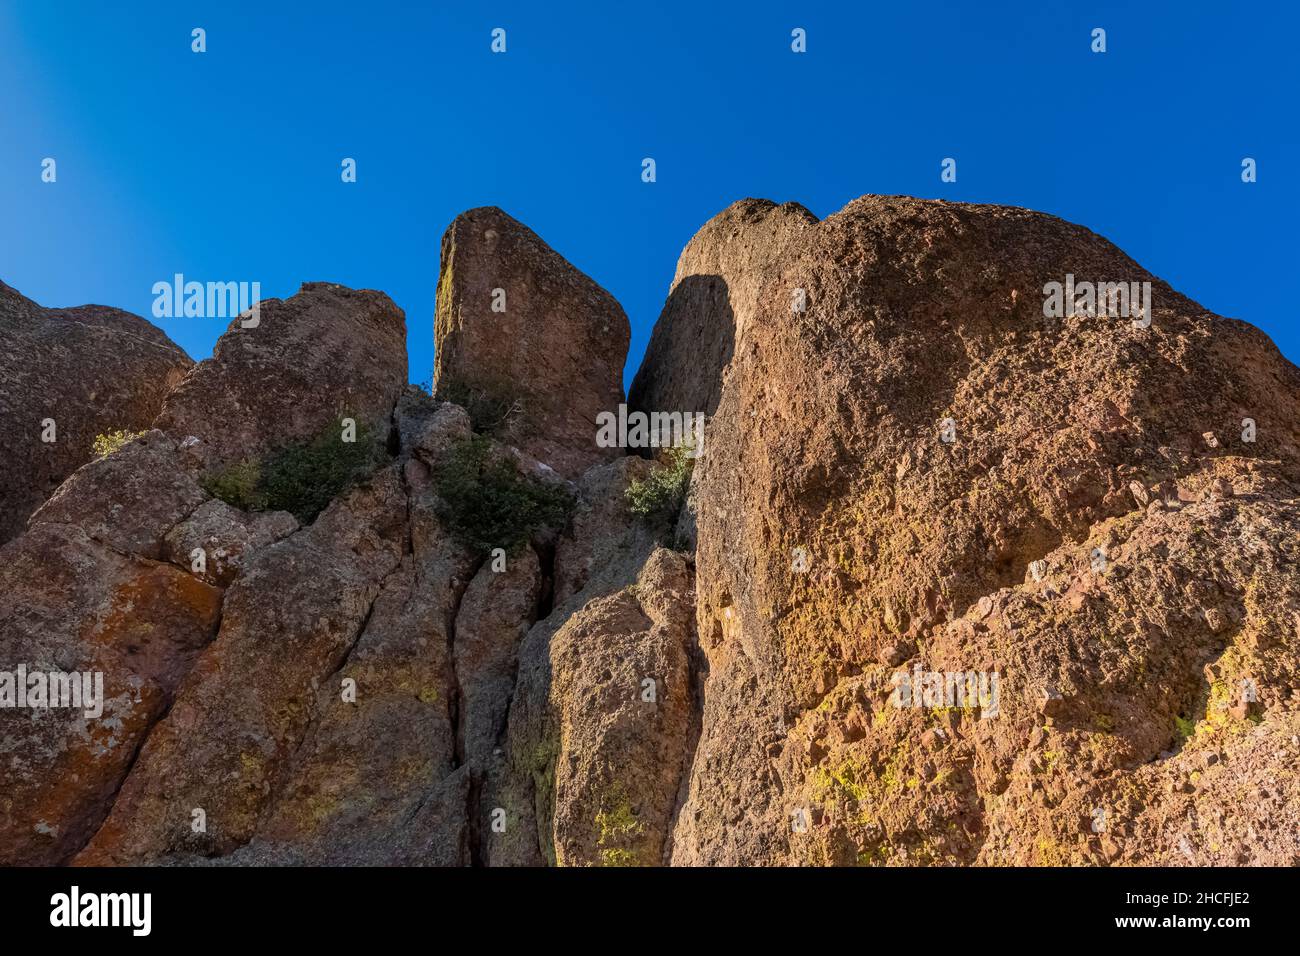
x=68, y=376
x=843, y=540
x=954, y=581
x=526, y=341
x=719, y=275
x=325, y=354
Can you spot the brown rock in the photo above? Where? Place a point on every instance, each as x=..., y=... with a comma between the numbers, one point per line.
x=92, y=370
x=546, y=360
x=71, y=604
x=602, y=717
x=718, y=278
x=224, y=536
x=347, y=801
x=130, y=500
x=909, y=324
x=498, y=608
x=288, y=624
x=327, y=353
x=605, y=545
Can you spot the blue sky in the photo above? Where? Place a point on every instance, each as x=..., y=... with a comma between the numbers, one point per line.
x=225, y=165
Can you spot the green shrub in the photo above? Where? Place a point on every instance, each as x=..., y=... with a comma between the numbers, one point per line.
x=110, y=442
x=237, y=485
x=487, y=503
x=304, y=479
x=490, y=411
x=301, y=479
x=659, y=496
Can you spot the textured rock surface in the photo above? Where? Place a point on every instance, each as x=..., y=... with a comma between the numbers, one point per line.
x=549, y=357
x=602, y=720
x=371, y=625
x=105, y=581
x=326, y=353
x=621, y=604
x=718, y=278
x=854, y=535
x=91, y=369
x=224, y=535
x=287, y=625
x=83, y=594
x=1099, y=533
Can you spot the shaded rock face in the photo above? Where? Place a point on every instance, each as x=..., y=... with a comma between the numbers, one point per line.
x=855, y=542
x=326, y=353
x=92, y=370
x=529, y=339
x=718, y=278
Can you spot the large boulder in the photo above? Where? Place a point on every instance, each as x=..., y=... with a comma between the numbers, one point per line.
x=904, y=455
x=327, y=353
x=593, y=758
x=92, y=370
x=602, y=720
x=528, y=343
x=719, y=275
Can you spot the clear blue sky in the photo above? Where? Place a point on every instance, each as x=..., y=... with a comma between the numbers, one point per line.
x=225, y=165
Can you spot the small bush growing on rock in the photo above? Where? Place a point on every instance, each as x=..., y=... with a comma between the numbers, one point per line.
x=490, y=412
x=301, y=479
x=488, y=504
x=237, y=485
x=659, y=496
x=110, y=442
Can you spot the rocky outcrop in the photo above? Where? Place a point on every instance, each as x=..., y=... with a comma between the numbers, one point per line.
x=534, y=348
x=918, y=444
x=82, y=593
x=327, y=353
x=601, y=723
x=955, y=581
x=288, y=624
x=68, y=376
x=594, y=755
x=714, y=291
x=121, y=576
x=372, y=624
